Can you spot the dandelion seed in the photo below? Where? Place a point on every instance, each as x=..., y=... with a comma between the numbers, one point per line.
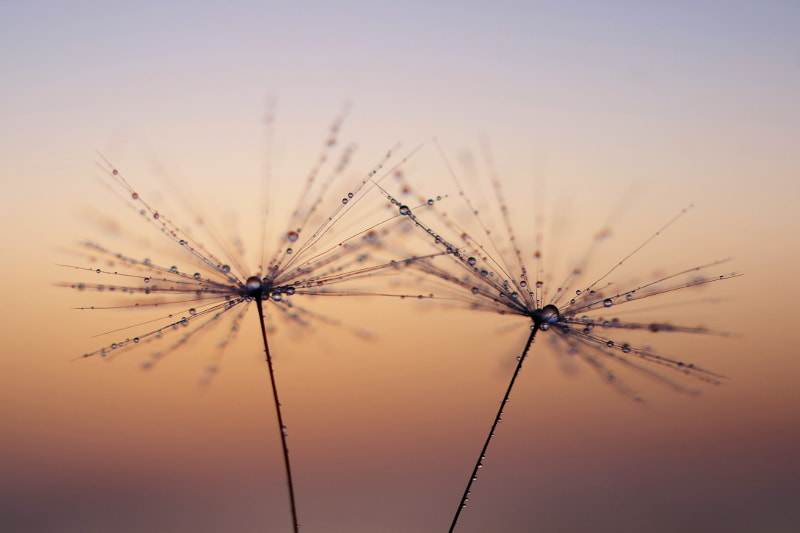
x=218, y=282
x=489, y=273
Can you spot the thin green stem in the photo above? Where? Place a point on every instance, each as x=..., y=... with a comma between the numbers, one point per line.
x=482, y=455
x=281, y=425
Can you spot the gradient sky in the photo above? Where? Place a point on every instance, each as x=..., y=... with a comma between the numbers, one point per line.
x=681, y=102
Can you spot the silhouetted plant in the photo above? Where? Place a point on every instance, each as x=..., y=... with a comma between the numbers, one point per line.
x=315, y=255
x=487, y=270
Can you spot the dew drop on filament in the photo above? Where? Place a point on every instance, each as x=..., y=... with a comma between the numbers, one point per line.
x=292, y=236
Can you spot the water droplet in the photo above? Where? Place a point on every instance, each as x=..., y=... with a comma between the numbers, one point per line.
x=629, y=297
x=135, y=196
x=98, y=271
x=344, y=200
x=196, y=275
x=156, y=215
x=277, y=297
x=475, y=290
x=539, y=284
x=225, y=269
x=173, y=268
x=289, y=250
x=115, y=172
x=544, y=326
x=607, y=302
x=289, y=290
x=350, y=195
x=147, y=280
x=192, y=311
x=610, y=344
x=292, y=236
x=626, y=348
x=136, y=340
x=184, y=321
x=471, y=261
x=430, y=201
x=578, y=292
x=404, y=210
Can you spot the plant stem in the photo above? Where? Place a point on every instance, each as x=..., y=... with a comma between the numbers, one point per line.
x=482, y=455
x=281, y=426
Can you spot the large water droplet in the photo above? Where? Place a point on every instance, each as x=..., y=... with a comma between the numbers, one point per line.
x=225, y=269
x=471, y=261
x=607, y=302
x=277, y=297
x=192, y=311
x=253, y=284
x=404, y=210
x=292, y=236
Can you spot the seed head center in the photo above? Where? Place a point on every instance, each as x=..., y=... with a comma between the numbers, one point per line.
x=546, y=316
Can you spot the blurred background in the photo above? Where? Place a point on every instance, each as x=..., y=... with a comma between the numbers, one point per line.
x=625, y=111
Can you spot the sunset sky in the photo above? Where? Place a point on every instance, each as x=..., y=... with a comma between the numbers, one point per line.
x=618, y=114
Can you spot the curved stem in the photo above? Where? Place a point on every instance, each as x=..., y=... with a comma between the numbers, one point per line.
x=281, y=426
x=482, y=455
